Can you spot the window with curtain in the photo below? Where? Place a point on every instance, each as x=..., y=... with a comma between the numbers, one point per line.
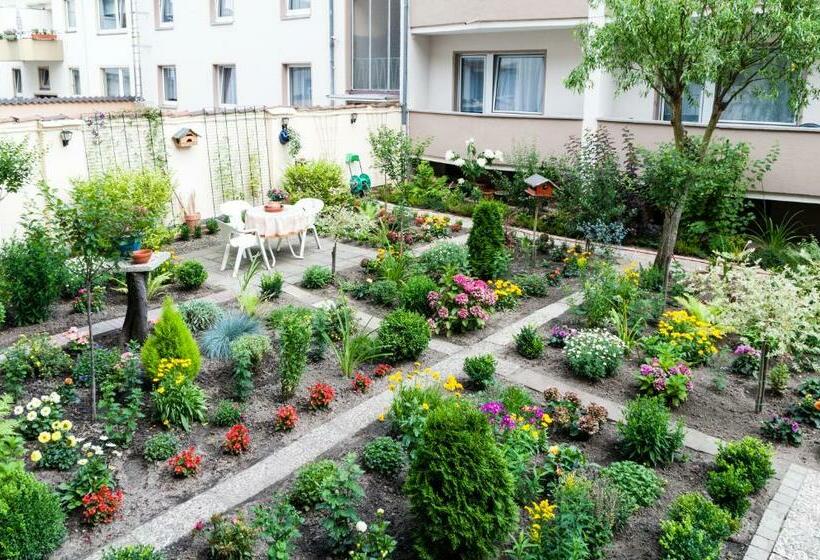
x=224, y=8
x=169, y=84
x=518, y=83
x=471, y=83
x=112, y=14
x=692, y=105
x=376, y=44
x=76, y=88
x=17, y=80
x=70, y=15
x=301, y=89
x=298, y=5
x=755, y=105
x=117, y=82
x=44, y=77
x=166, y=12
x=226, y=84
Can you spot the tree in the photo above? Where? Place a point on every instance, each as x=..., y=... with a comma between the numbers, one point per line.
x=740, y=47
x=396, y=153
x=16, y=166
x=91, y=225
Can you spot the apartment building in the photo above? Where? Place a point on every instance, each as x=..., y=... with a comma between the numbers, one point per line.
x=189, y=55
x=494, y=71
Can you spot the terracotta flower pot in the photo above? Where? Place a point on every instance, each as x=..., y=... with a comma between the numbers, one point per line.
x=273, y=206
x=192, y=220
x=141, y=256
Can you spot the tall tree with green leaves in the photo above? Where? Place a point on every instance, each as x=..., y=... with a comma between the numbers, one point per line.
x=16, y=166
x=732, y=47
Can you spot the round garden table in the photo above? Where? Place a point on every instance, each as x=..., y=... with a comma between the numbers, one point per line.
x=135, y=326
x=291, y=220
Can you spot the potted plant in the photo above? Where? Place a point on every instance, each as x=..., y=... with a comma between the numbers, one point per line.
x=189, y=214
x=276, y=196
x=43, y=35
x=10, y=34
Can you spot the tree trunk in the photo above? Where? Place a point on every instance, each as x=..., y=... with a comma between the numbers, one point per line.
x=669, y=236
x=333, y=257
x=135, y=326
x=761, y=377
x=88, y=292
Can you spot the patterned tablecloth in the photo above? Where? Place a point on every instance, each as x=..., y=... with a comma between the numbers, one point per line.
x=290, y=221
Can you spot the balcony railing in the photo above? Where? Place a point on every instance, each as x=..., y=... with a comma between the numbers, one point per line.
x=429, y=13
x=31, y=50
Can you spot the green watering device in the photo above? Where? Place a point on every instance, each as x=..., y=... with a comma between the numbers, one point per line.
x=359, y=182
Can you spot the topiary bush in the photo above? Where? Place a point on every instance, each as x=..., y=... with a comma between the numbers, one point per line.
x=460, y=488
x=445, y=259
x=384, y=292
x=270, y=285
x=480, y=370
x=133, y=552
x=32, y=524
x=295, y=334
x=645, y=433
x=310, y=481
x=695, y=529
x=216, y=341
x=190, y=275
x=489, y=258
x=529, y=343
x=200, y=314
x=383, y=455
x=170, y=338
x=403, y=336
x=317, y=179
x=316, y=277
x=413, y=294
x=741, y=468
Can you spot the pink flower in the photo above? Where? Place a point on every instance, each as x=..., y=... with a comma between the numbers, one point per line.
x=443, y=312
x=463, y=313
x=461, y=299
x=199, y=525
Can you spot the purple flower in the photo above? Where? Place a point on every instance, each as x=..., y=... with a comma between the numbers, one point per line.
x=433, y=298
x=443, y=312
x=660, y=384
x=493, y=408
x=746, y=350
x=461, y=299
x=463, y=313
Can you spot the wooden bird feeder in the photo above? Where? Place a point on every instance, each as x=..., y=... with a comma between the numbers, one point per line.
x=539, y=187
x=185, y=138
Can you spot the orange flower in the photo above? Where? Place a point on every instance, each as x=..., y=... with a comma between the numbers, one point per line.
x=817, y=404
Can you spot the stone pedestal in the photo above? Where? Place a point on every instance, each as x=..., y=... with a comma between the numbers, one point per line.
x=135, y=326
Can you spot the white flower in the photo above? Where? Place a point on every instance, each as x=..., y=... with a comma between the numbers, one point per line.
x=380, y=511
x=86, y=445
x=31, y=415
x=489, y=154
x=82, y=462
x=470, y=141
x=55, y=398
x=481, y=162
x=117, y=453
x=18, y=410
x=459, y=162
x=361, y=526
x=109, y=444
x=461, y=180
x=103, y=438
x=499, y=155
x=45, y=411
x=449, y=155
x=35, y=403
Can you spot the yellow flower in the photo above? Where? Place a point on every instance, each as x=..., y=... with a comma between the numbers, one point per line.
x=66, y=425
x=381, y=417
x=425, y=406
x=546, y=419
x=44, y=437
x=56, y=436
x=72, y=441
x=36, y=456
x=554, y=450
x=56, y=425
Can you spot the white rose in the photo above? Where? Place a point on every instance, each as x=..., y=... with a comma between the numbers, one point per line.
x=489, y=154
x=499, y=155
x=459, y=162
x=481, y=162
x=449, y=155
x=361, y=526
x=18, y=410
x=470, y=141
x=31, y=415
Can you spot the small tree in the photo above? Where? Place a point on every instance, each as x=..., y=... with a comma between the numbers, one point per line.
x=90, y=224
x=488, y=254
x=16, y=166
x=739, y=46
x=396, y=153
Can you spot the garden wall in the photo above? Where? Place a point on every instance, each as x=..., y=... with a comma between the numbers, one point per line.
x=237, y=153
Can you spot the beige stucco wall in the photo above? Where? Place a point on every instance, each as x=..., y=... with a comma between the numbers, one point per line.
x=448, y=12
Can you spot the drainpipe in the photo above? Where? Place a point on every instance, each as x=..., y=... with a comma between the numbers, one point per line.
x=332, y=41
x=405, y=24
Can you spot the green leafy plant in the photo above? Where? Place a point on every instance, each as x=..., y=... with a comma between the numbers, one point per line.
x=383, y=455
x=122, y=399
x=317, y=179
x=489, y=258
x=695, y=529
x=200, y=314
x=480, y=369
x=32, y=524
x=212, y=226
x=353, y=348
x=170, y=338
x=533, y=285
x=247, y=353
x=395, y=152
x=741, y=468
x=278, y=524
x=133, y=552
x=408, y=412
x=310, y=480
x=729, y=488
x=779, y=378
x=295, y=333
x=271, y=285
x=402, y=336
x=216, y=341
x=413, y=295
x=445, y=259
x=645, y=433
x=594, y=354
x=32, y=357
x=639, y=486
x=17, y=165
x=90, y=477
x=384, y=292
x=230, y=538
x=339, y=498
x=316, y=277
x=227, y=413
x=372, y=541
x=190, y=275
x=160, y=447
x=529, y=343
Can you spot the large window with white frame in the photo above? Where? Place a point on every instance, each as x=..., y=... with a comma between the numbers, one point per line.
x=70, y=15
x=165, y=13
x=44, y=78
x=300, y=88
x=225, y=85
x=116, y=82
x=223, y=11
x=376, y=32
x=74, y=78
x=112, y=14
x=297, y=7
x=501, y=83
x=168, y=85
x=17, y=81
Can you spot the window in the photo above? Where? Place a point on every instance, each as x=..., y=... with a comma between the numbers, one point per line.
x=74, y=74
x=223, y=10
x=226, y=85
x=376, y=44
x=505, y=83
x=471, y=84
x=301, y=92
x=44, y=77
x=117, y=82
x=755, y=104
x=17, y=81
x=165, y=13
x=168, y=93
x=298, y=6
x=70, y=15
x=692, y=105
x=112, y=14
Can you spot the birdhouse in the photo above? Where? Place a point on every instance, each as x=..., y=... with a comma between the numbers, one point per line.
x=539, y=187
x=185, y=138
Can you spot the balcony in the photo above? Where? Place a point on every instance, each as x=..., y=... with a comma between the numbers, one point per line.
x=466, y=16
x=31, y=50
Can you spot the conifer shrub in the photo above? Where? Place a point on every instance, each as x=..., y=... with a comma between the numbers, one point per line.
x=171, y=338
x=488, y=254
x=403, y=335
x=32, y=524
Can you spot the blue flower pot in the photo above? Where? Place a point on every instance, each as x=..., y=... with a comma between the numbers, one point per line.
x=130, y=244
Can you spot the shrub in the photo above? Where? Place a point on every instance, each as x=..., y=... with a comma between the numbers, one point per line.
x=32, y=274
x=408, y=414
x=746, y=362
x=462, y=304
x=190, y=275
x=320, y=395
x=384, y=292
x=486, y=244
x=480, y=369
x=212, y=226
x=317, y=179
x=237, y=440
x=133, y=552
x=779, y=378
x=227, y=413
x=102, y=506
x=316, y=277
x=2, y=314
x=594, y=354
x=247, y=353
x=270, y=285
x=383, y=455
x=286, y=418
x=340, y=498
x=673, y=383
x=695, y=529
x=729, y=489
x=32, y=524
x=645, y=433
x=515, y=398
x=460, y=489
x=403, y=336
x=529, y=343
x=160, y=447
x=278, y=525
x=32, y=357
x=170, y=338
x=750, y=454
x=200, y=314
x=294, y=343
x=230, y=538
x=533, y=285
x=603, y=289
x=413, y=295
x=216, y=341
x=445, y=259
x=105, y=361
x=185, y=463
x=310, y=481
x=639, y=486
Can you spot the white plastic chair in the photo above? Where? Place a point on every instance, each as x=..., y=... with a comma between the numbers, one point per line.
x=312, y=207
x=239, y=238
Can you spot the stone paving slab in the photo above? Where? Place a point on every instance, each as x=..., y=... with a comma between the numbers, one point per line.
x=790, y=527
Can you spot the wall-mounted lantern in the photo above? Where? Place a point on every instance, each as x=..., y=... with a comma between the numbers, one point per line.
x=65, y=137
x=353, y=118
x=284, y=134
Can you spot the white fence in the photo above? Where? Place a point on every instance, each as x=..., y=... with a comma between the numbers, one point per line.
x=258, y=158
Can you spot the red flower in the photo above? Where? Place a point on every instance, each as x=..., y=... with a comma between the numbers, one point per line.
x=382, y=369
x=361, y=383
x=101, y=506
x=286, y=418
x=320, y=396
x=237, y=440
x=185, y=463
